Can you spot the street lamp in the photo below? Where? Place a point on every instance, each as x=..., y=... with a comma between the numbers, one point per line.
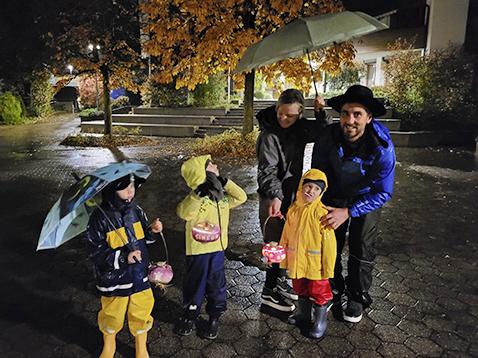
x=95, y=50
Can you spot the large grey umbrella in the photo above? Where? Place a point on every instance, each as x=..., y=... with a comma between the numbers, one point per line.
x=307, y=34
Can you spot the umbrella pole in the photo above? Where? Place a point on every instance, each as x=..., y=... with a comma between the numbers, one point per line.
x=312, y=71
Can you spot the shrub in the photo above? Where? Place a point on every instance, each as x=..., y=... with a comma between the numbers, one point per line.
x=212, y=93
x=347, y=77
x=121, y=101
x=154, y=94
x=87, y=89
x=432, y=91
x=11, y=109
x=231, y=144
x=41, y=94
x=91, y=113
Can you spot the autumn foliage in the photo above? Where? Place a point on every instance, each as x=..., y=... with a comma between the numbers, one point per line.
x=191, y=39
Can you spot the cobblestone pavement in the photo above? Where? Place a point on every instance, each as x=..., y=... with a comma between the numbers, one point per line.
x=425, y=286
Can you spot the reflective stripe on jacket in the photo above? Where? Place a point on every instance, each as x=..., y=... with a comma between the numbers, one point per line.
x=109, y=250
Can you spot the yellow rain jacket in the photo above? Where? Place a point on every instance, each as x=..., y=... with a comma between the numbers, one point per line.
x=310, y=247
x=195, y=209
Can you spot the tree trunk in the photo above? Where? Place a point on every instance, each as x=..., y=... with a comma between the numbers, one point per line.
x=107, y=101
x=248, y=124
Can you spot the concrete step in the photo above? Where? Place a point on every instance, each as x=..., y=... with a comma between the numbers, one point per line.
x=162, y=130
x=216, y=129
x=163, y=119
x=187, y=111
x=390, y=123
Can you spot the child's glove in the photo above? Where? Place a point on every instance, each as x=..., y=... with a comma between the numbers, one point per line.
x=222, y=180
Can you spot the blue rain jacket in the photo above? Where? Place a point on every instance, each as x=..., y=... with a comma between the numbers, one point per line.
x=363, y=182
x=109, y=248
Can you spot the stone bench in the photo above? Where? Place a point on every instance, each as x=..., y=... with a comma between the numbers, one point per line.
x=163, y=119
x=187, y=111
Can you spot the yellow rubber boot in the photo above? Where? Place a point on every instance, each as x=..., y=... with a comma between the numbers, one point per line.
x=109, y=346
x=140, y=345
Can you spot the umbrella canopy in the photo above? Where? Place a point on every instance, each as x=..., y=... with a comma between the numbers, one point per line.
x=70, y=214
x=307, y=34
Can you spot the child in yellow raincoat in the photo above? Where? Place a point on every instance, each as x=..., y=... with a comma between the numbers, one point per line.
x=206, y=212
x=310, y=253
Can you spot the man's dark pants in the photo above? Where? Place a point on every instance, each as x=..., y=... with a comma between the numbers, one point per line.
x=362, y=236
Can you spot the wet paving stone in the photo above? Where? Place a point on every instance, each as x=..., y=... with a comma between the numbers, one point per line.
x=383, y=317
x=424, y=346
x=279, y=340
x=414, y=328
x=249, y=270
x=307, y=350
x=183, y=353
x=439, y=323
x=401, y=299
x=363, y=340
x=450, y=341
x=250, y=346
x=336, y=346
x=395, y=350
x=245, y=280
x=390, y=334
x=219, y=350
x=241, y=291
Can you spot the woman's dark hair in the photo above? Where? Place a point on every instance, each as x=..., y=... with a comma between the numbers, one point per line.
x=290, y=96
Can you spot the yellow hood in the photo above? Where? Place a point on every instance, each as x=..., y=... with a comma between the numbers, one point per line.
x=312, y=174
x=193, y=171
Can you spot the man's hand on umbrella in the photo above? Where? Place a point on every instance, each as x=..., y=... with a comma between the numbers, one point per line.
x=319, y=104
x=335, y=217
x=134, y=256
x=156, y=226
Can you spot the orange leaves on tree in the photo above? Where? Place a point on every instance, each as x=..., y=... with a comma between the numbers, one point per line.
x=191, y=39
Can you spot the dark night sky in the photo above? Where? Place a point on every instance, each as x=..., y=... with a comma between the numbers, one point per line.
x=377, y=7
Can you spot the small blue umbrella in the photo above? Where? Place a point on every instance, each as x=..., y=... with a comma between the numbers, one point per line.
x=70, y=214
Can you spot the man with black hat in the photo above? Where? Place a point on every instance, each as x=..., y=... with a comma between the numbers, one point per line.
x=358, y=157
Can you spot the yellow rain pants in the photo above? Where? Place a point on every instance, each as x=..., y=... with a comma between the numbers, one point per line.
x=138, y=306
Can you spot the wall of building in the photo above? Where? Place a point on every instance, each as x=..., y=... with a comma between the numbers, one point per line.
x=447, y=23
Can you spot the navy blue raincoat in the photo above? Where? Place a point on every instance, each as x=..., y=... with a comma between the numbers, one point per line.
x=111, y=239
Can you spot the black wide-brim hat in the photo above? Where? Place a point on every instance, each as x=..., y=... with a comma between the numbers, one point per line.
x=358, y=94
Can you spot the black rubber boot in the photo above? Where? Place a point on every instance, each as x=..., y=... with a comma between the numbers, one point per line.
x=320, y=322
x=303, y=313
x=185, y=326
x=211, y=328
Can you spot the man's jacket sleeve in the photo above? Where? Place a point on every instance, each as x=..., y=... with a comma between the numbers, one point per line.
x=381, y=188
x=268, y=167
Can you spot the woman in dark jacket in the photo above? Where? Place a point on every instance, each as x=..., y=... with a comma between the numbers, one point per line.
x=284, y=133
